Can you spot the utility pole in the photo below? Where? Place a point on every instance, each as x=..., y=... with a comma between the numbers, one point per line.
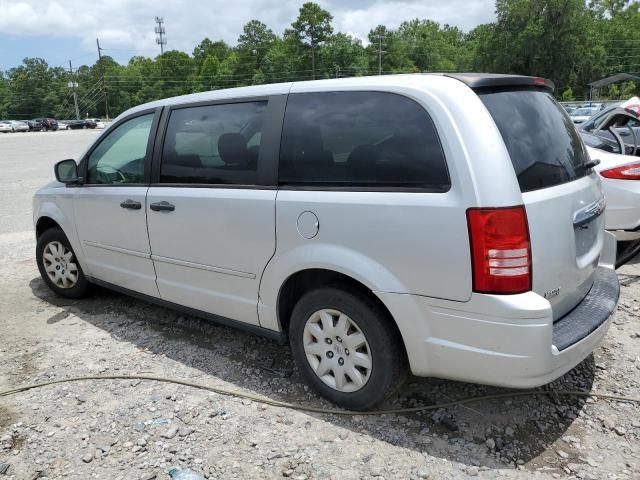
x=104, y=85
x=380, y=37
x=160, y=34
x=313, y=58
x=73, y=85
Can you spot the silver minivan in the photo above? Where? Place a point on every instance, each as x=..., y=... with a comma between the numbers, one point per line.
x=444, y=225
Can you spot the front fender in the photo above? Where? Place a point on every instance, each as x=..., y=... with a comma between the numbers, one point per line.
x=57, y=204
x=339, y=259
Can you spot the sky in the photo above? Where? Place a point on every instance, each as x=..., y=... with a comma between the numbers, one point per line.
x=63, y=30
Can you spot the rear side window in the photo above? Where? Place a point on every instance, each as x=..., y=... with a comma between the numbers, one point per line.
x=215, y=144
x=360, y=139
x=542, y=141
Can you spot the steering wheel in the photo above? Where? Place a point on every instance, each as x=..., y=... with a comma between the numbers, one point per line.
x=120, y=173
x=635, y=140
x=619, y=140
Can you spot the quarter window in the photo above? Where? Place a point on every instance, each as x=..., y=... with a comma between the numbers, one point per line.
x=215, y=144
x=120, y=156
x=360, y=139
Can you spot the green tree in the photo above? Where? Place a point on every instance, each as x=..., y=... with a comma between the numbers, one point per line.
x=312, y=28
x=549, y=38
x=567, y=95
x=253, y=44
x=629, y=89
x=207, y=48
x=343, y=55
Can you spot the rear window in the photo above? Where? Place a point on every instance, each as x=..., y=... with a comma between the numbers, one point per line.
x=542, y=141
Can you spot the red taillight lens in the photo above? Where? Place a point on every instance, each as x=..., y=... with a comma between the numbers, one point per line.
x=500, y=249
x=626, y=172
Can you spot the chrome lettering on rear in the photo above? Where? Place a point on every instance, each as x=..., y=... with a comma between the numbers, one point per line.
x=552, y=293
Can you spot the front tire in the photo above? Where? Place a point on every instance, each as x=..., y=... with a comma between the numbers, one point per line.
x=345, y=347
x=58, y=265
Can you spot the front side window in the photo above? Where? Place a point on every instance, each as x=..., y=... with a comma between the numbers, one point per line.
x=360, y=139
x=120, y=156
x=214, y=144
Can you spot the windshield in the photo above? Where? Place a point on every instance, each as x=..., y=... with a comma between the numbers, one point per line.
x=543, y=144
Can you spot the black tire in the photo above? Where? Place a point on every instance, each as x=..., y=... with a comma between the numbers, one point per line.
x=626, y=251
x=388, y=365
x=79, y=289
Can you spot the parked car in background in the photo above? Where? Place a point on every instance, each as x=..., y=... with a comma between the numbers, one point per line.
x=621, y=187
x=48, y=123
x=79, y=124
x=381, y=224
x=62, y=125
x=35, y=125
x=6, y=127
x=615, y=130
x=19, y=126
x=99, y=123
x=582, y=114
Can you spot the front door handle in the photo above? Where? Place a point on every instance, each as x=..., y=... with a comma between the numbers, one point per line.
x=131, y=204
x=162, y=207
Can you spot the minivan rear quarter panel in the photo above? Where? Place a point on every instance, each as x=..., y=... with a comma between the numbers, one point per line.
x=406, y=242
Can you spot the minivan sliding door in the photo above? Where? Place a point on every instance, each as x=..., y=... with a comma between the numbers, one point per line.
x=211, y=207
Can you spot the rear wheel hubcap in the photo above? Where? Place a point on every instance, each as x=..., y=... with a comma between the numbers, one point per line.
x=337, y=350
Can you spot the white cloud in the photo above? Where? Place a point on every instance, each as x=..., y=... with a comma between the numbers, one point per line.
x=129, y=24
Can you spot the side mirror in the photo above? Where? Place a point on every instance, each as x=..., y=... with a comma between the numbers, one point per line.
x=66, y=171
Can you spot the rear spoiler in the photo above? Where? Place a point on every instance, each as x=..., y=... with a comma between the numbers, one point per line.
x=496, y=80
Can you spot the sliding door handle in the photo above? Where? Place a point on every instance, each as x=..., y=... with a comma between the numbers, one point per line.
x=131, y=204
x=162, y=207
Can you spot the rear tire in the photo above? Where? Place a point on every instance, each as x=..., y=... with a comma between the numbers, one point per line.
x=626, y=251
x=59, y=266
x=325, y=324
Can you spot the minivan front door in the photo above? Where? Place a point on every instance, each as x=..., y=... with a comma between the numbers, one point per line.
x=110, y=208
x=211, y=210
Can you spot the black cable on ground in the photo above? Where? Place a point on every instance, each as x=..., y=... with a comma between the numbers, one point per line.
x=277, y=403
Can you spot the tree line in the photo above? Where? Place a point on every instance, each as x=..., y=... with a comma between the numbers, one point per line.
x=572, y=42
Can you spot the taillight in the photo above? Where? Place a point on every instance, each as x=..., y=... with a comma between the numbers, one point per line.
x=500, y=249
x=626, y=172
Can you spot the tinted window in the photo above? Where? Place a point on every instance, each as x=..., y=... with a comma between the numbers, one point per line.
x=216, y=144
x=360, y=139
x=119, y=158
x=542, y=141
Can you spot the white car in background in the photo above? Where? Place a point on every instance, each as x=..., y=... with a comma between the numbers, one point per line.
x=6, y=127
x=621, y=187
x=19, y=126
x=63, y=126
x=582, y=114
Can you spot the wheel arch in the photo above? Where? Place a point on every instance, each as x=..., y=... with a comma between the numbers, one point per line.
x=45, y=223
x=305, y=280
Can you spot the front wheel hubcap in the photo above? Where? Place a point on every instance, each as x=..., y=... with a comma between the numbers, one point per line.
x=60, y=265
x=337, y=350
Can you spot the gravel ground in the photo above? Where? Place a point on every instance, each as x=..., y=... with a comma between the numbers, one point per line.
x=138, y=429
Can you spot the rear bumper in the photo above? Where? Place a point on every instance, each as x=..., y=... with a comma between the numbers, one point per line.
x=503, y=340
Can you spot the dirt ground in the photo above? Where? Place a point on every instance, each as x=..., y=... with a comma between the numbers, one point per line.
x=113, y=429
